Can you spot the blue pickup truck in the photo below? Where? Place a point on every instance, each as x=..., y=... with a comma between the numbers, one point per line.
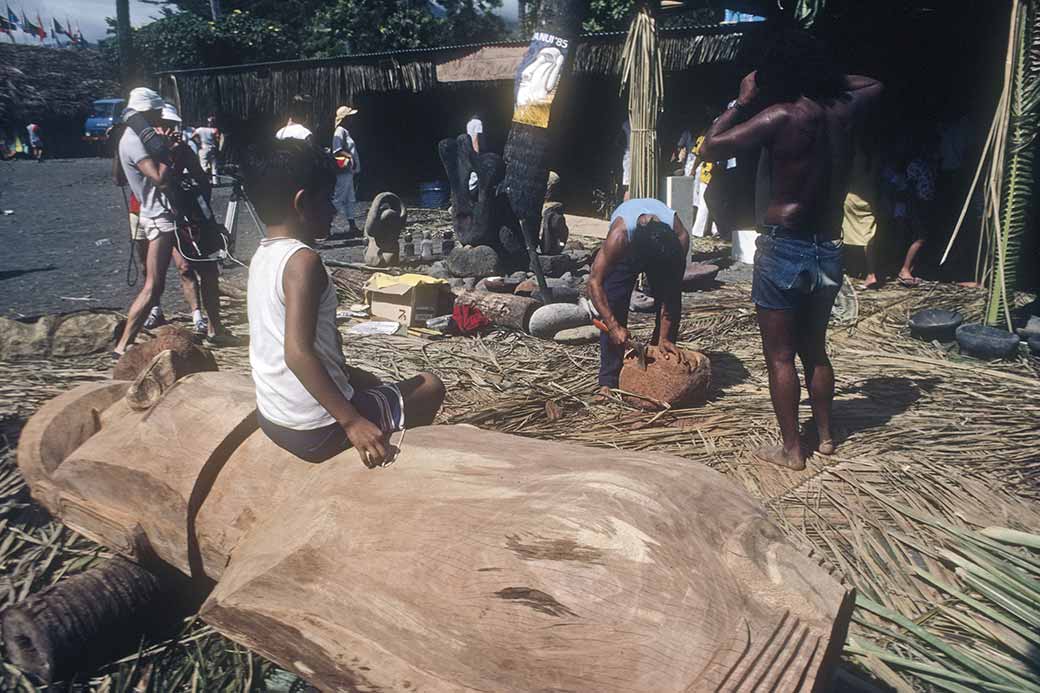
x=106, y=113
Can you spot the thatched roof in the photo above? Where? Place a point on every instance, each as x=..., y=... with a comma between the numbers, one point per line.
x=267, y=87
x=44, y=84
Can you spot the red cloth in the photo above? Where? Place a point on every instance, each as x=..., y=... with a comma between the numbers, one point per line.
x=468, y=319
x=135, y=204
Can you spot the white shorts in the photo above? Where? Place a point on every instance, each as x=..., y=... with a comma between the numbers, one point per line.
x=136, y=232
x=150, y=229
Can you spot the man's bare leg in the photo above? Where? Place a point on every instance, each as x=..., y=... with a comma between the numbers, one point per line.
x=423, y=396
x=871, y=281
x=209, y=288
x=819, y=374
x=906, y=274
x=778, y=329
x=189, y=282
x=156, y=264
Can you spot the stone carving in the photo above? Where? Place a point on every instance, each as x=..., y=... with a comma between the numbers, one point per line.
x=386, y=220
x=478, y=561
x=667, y=379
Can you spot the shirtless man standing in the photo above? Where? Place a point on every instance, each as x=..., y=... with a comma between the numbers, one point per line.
x=802, y=116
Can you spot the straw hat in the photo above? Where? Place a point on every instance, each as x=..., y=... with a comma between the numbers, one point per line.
x=344, y=112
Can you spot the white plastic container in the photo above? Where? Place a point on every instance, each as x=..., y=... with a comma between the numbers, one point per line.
x=744, y=245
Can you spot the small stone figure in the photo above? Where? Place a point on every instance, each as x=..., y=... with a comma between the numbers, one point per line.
x=447, y=243
x=386, y=219
x=409, y=245
x=426, y=246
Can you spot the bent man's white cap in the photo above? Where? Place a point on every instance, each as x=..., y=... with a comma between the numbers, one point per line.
x=169, y=112
x=143, y=99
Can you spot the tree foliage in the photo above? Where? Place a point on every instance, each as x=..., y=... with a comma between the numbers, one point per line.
x=184, y=39
x=368, y=26
x=325, y=28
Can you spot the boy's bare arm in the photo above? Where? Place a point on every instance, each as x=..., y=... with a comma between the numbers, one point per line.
x=303, y=282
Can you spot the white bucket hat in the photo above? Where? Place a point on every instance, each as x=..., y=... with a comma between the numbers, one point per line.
x=143, y=99
x=169, y=112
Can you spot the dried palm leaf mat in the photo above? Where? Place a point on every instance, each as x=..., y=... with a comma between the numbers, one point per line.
x=933, y=448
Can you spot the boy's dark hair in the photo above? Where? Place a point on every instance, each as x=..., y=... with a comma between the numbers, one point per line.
x=796, y=64
x=660, y=253
x=275, y=172
x=300, y=107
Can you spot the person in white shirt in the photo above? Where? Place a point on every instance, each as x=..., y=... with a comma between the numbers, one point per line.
x=157, y=224
x=299, y=112
x=309, y=401
x=344, y=151
x=210, y=141
x=475, y=130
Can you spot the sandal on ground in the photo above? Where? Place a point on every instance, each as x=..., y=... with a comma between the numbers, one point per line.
x=911, y=283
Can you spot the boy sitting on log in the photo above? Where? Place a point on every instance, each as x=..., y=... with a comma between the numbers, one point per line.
x=309, y=401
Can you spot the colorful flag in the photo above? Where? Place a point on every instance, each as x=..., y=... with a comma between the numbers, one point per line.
x=5, y=26
x=12, y=18
x=58, y=29
x=41, y=33
x=28, y=27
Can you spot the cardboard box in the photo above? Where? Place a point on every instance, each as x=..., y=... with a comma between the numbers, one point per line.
x=410, y=305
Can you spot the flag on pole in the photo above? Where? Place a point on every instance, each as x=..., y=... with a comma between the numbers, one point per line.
x=28, y=27
x=6, y=26
x=41, y=33
x=57, y=28
x=12, y=19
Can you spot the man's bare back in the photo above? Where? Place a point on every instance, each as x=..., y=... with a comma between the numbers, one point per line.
x=807, y=151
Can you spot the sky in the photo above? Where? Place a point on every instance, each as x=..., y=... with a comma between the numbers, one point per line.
x=90, y=14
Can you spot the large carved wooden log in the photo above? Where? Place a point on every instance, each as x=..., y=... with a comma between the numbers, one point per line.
x=506, y=310
x=478, y=561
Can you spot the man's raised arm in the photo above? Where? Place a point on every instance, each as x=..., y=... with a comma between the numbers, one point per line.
x=738, y=129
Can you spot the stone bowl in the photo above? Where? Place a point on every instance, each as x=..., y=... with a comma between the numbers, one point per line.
x=699, y=276
x=500, y=285
x=985, y=342
x=935, y=324
x=666, y=379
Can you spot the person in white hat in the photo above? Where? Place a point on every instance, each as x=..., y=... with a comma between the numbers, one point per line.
x=295, y=129
x=210, y=141
x=156, y=223
x=344, y=149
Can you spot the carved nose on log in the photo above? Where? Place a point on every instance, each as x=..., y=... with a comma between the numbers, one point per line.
x=84, y=621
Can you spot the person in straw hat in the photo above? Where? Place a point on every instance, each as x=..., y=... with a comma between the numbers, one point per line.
x=344, y=149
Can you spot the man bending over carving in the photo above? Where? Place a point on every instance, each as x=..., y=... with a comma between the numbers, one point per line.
x=309, y=401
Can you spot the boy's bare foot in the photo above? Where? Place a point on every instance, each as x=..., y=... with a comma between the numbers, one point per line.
x=776, y=454
x=826, y=447
x=604, y=394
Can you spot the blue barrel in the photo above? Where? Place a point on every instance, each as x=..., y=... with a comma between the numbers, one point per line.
x=434, y=195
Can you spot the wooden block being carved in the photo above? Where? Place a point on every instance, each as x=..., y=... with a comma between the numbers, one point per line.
x=667, y=379
x=478, y=561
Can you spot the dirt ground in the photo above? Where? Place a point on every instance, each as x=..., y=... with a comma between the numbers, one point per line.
x=66, y=242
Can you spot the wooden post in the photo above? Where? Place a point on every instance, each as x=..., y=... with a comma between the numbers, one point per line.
x=125, y=41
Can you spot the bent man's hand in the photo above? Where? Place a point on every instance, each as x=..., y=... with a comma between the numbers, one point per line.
x=668, y=348
x=619, y=336
x=368, y=440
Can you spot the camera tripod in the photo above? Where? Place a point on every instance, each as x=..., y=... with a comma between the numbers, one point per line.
x=238, y=198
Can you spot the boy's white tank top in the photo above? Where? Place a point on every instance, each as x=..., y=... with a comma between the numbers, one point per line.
x=280, y=396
